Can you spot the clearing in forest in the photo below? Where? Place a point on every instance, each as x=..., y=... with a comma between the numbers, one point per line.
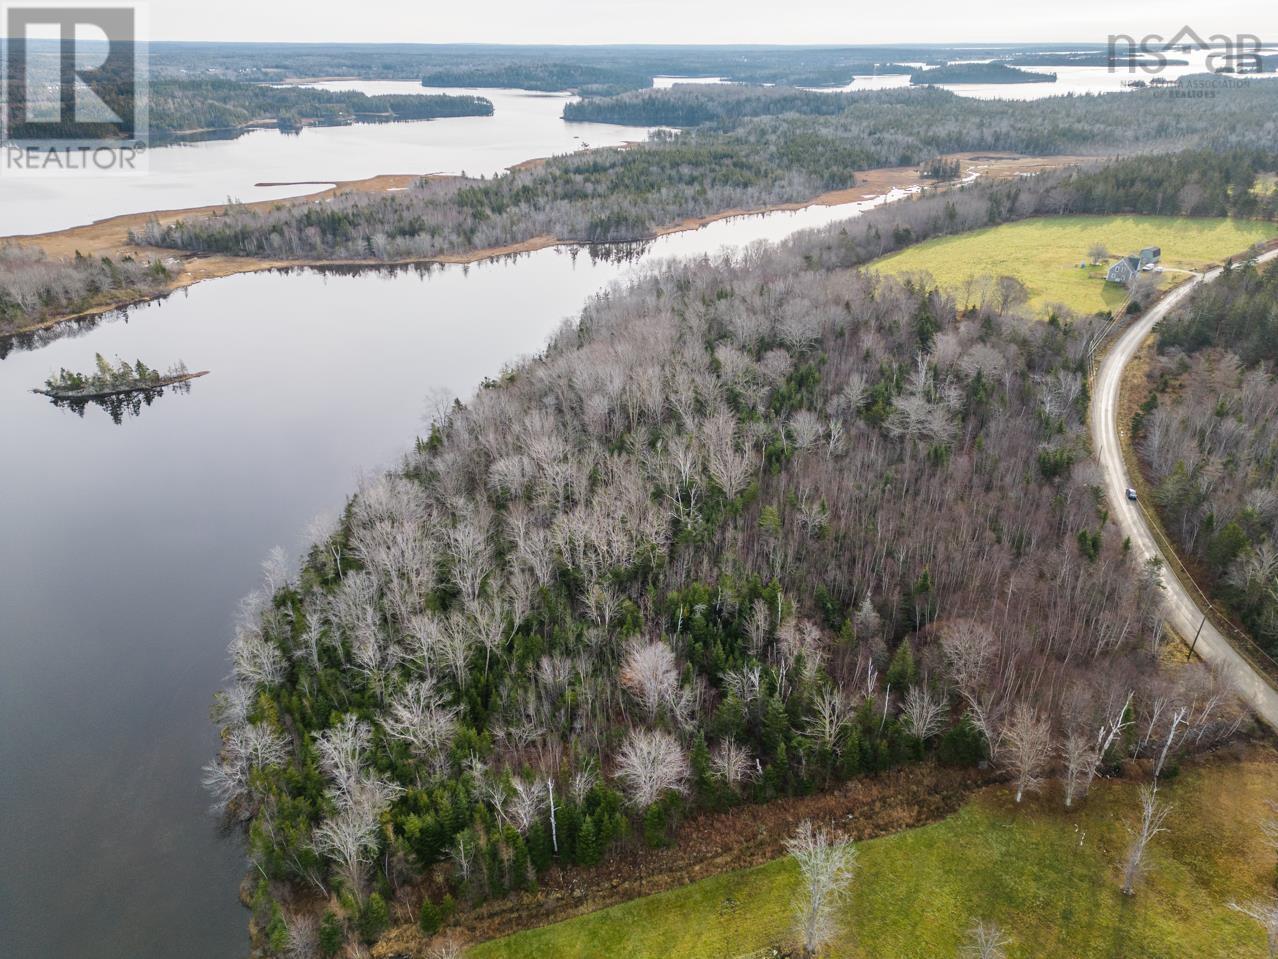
x=1047, y=876
x=1045, y=254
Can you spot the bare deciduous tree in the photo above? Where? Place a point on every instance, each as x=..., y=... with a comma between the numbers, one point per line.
x=923, y=712
x=649, y=764
x=830, y=716
x=256, y=660
x=649, y=674
x=1265, y=912
x=527, y=800
x=450, y=948
x=420, y=717
x=1153, y=814
x=1078, y=753
x=1029, y=748
x=351, y=836
x=1083, y=754
x=732, y=763
x=244, y=748
x=342, y=749
x=969, y=650
x=826, y=867
x=985, y=940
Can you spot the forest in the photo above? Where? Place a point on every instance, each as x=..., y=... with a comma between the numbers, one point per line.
x=191, y=109
x=752, y=527
x=34, y=287
x=624, y=195
x=696, y=104
x=593, y=69
x=1208, y=445
x=1105, y=58
x=185, y=107
x=944, y=121
x=567, y=199
x=979, y=73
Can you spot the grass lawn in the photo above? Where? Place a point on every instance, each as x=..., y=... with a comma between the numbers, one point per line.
x=1044, y=253
x=1048, y=877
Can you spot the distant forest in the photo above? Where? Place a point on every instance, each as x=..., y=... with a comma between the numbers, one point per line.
x=179, y=106
x=696, y=104
x=588, y=70
x=1067, y=124
x=606, y=197
x=624, y=195
x=1091, y=59
x=979, y=73
x=186, y=109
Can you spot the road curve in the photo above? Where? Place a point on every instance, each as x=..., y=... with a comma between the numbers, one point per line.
x=1182, y=608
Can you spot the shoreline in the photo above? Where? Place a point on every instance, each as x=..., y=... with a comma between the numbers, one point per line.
x=110, y=236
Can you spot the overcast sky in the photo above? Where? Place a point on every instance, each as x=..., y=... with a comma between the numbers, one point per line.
x=700, y=21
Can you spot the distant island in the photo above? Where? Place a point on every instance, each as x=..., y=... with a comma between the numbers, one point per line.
x=978, y=73
x=108, y=380
x=1097, y=58
x=189, y=110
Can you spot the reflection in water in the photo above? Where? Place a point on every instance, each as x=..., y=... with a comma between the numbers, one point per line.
x=614, y=253
x=69, y=329
x=124, y=552
x=118, y=406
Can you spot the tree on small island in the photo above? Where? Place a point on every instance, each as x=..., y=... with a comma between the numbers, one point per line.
x=120, y=378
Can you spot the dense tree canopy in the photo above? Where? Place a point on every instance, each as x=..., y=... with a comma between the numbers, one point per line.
x=979, y=73
x=1208, y=442
x=33, y=287
x=181, y=107
x=750, y=527
x=626, y=195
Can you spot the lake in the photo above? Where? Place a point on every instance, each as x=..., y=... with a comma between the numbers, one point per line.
x=126, y=548
x=1069, y=80
x=524, y=125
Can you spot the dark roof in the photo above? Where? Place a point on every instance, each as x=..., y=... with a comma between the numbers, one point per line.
x=1132, y=262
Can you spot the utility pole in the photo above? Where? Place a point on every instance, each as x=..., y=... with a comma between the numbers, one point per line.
x=1196, y=635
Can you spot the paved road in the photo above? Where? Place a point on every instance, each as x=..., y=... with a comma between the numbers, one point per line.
x=1183, y=610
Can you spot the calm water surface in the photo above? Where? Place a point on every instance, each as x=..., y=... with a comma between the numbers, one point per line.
x=1069, y=80
x=523, y=125
x=125, y=548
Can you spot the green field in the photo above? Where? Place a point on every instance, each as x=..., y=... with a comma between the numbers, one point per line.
x=1049, y=878
x=1045, y=253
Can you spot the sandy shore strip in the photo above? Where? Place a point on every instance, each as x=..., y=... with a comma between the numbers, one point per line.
x=110, y=237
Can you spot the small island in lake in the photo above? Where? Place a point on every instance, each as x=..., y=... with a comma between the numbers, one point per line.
x=121, y=390
x=979, y=73
x=108, y=380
